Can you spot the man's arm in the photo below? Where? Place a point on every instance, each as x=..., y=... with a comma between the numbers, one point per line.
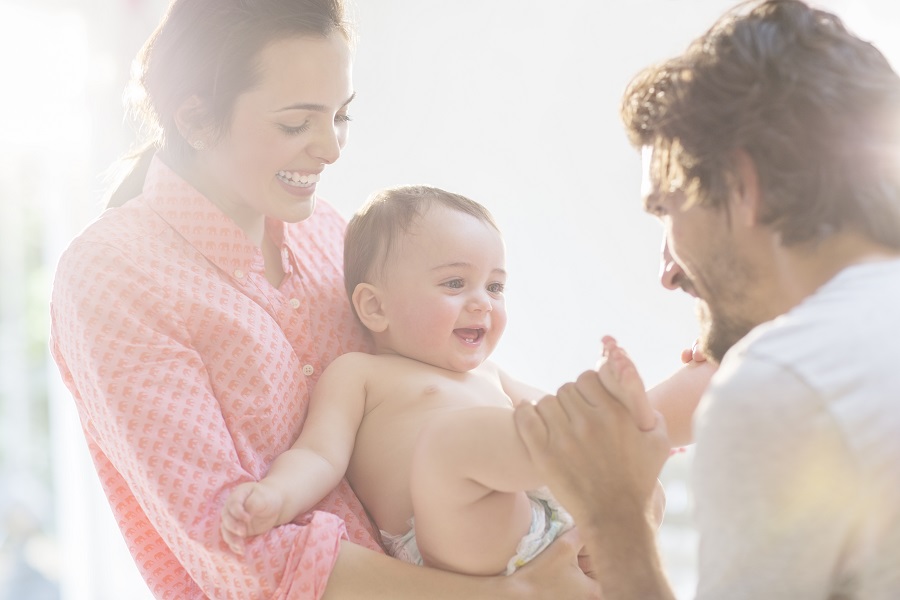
x=603, y=469
x=776, y=489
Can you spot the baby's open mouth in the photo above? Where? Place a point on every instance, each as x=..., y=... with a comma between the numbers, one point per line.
x=470, y=336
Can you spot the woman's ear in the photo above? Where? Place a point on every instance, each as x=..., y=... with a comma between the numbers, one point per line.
x=367, y=302
x=192, y=122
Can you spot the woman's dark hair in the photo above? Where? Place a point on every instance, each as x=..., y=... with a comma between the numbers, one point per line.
x=816, y=108
x=208, y=49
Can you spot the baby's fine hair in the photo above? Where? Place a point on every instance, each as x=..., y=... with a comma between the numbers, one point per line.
x=388, y=215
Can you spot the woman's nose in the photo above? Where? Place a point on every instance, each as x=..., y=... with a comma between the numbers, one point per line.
x=327, y=145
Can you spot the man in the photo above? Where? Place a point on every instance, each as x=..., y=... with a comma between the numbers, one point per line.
x=771, y=152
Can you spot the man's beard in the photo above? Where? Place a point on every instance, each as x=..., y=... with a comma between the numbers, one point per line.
x=718, y=333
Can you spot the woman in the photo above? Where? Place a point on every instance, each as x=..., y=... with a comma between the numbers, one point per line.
x=192, y=321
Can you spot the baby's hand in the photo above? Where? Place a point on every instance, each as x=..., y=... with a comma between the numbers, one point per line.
x=693, y=354
x=251, y=509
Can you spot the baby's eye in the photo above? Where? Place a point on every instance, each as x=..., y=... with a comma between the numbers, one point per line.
x=496, y=287
x=454, y=284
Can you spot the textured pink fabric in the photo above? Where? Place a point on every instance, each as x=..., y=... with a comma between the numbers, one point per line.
x=191, y=373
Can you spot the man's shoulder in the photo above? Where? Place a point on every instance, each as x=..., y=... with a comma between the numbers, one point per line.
x=855, y=311
x=834, y=352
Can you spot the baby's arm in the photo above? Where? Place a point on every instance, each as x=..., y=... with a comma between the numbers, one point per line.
x=677, y=397
x=300, y=477
x=517, y=390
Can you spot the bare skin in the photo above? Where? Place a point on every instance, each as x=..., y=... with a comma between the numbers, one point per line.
x=425, y=426
x=619, y=375
x=582, y=412
x=554, y=574
x=374, y=436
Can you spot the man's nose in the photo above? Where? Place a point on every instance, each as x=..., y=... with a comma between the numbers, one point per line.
x=670, y=274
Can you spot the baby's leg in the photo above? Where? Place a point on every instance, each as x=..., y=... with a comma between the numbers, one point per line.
x=620, y=378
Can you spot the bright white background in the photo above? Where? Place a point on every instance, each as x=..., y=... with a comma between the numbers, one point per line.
x=511, y=102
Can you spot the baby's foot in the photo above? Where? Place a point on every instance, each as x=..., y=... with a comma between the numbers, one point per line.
x=620, y=377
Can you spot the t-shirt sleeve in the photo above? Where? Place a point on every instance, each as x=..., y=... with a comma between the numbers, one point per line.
x=159, y=440
x=774, y=487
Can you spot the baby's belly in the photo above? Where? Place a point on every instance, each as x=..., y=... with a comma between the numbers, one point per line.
x=379, y=473
x=381, y=463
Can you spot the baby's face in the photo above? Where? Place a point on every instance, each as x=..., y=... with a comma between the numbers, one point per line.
x=442, y=291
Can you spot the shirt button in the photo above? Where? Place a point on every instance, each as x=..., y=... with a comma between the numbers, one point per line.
x=295, y=303
x=238, y=274
x=308, y=370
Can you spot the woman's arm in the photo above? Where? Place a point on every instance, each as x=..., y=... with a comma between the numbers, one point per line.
x=554, y=574
x=157, y=433
x=167, y=458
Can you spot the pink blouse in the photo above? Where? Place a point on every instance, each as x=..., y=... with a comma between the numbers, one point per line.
x=191, y=373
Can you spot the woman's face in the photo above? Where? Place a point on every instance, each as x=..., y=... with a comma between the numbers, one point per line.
x=282, y=134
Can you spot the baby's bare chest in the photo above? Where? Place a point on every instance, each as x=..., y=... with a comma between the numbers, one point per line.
x=385, y=442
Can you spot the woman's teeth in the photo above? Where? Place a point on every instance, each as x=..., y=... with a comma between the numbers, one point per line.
x=296, y=179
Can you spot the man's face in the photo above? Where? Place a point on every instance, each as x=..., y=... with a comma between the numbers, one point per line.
x=701, y=256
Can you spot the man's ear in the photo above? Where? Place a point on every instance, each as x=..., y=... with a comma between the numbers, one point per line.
x=192, y=121
x=367, y=302
x=746, y=201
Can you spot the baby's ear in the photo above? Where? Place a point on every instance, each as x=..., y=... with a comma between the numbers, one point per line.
x=367, y=302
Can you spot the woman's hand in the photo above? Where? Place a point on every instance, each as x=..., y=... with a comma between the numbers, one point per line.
x=562, y=570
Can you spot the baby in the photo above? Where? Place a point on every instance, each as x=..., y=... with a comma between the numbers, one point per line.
x=423, y=428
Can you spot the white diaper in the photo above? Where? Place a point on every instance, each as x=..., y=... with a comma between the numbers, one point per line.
x=548, y=521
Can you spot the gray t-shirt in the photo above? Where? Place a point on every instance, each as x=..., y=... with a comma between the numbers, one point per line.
x=797, y=465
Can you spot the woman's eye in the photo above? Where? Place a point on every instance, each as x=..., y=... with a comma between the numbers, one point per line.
x=342, y=118
x=496, y=288
x=294, y=130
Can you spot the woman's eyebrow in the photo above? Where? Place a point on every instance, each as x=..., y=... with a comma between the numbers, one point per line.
x=315, y=107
